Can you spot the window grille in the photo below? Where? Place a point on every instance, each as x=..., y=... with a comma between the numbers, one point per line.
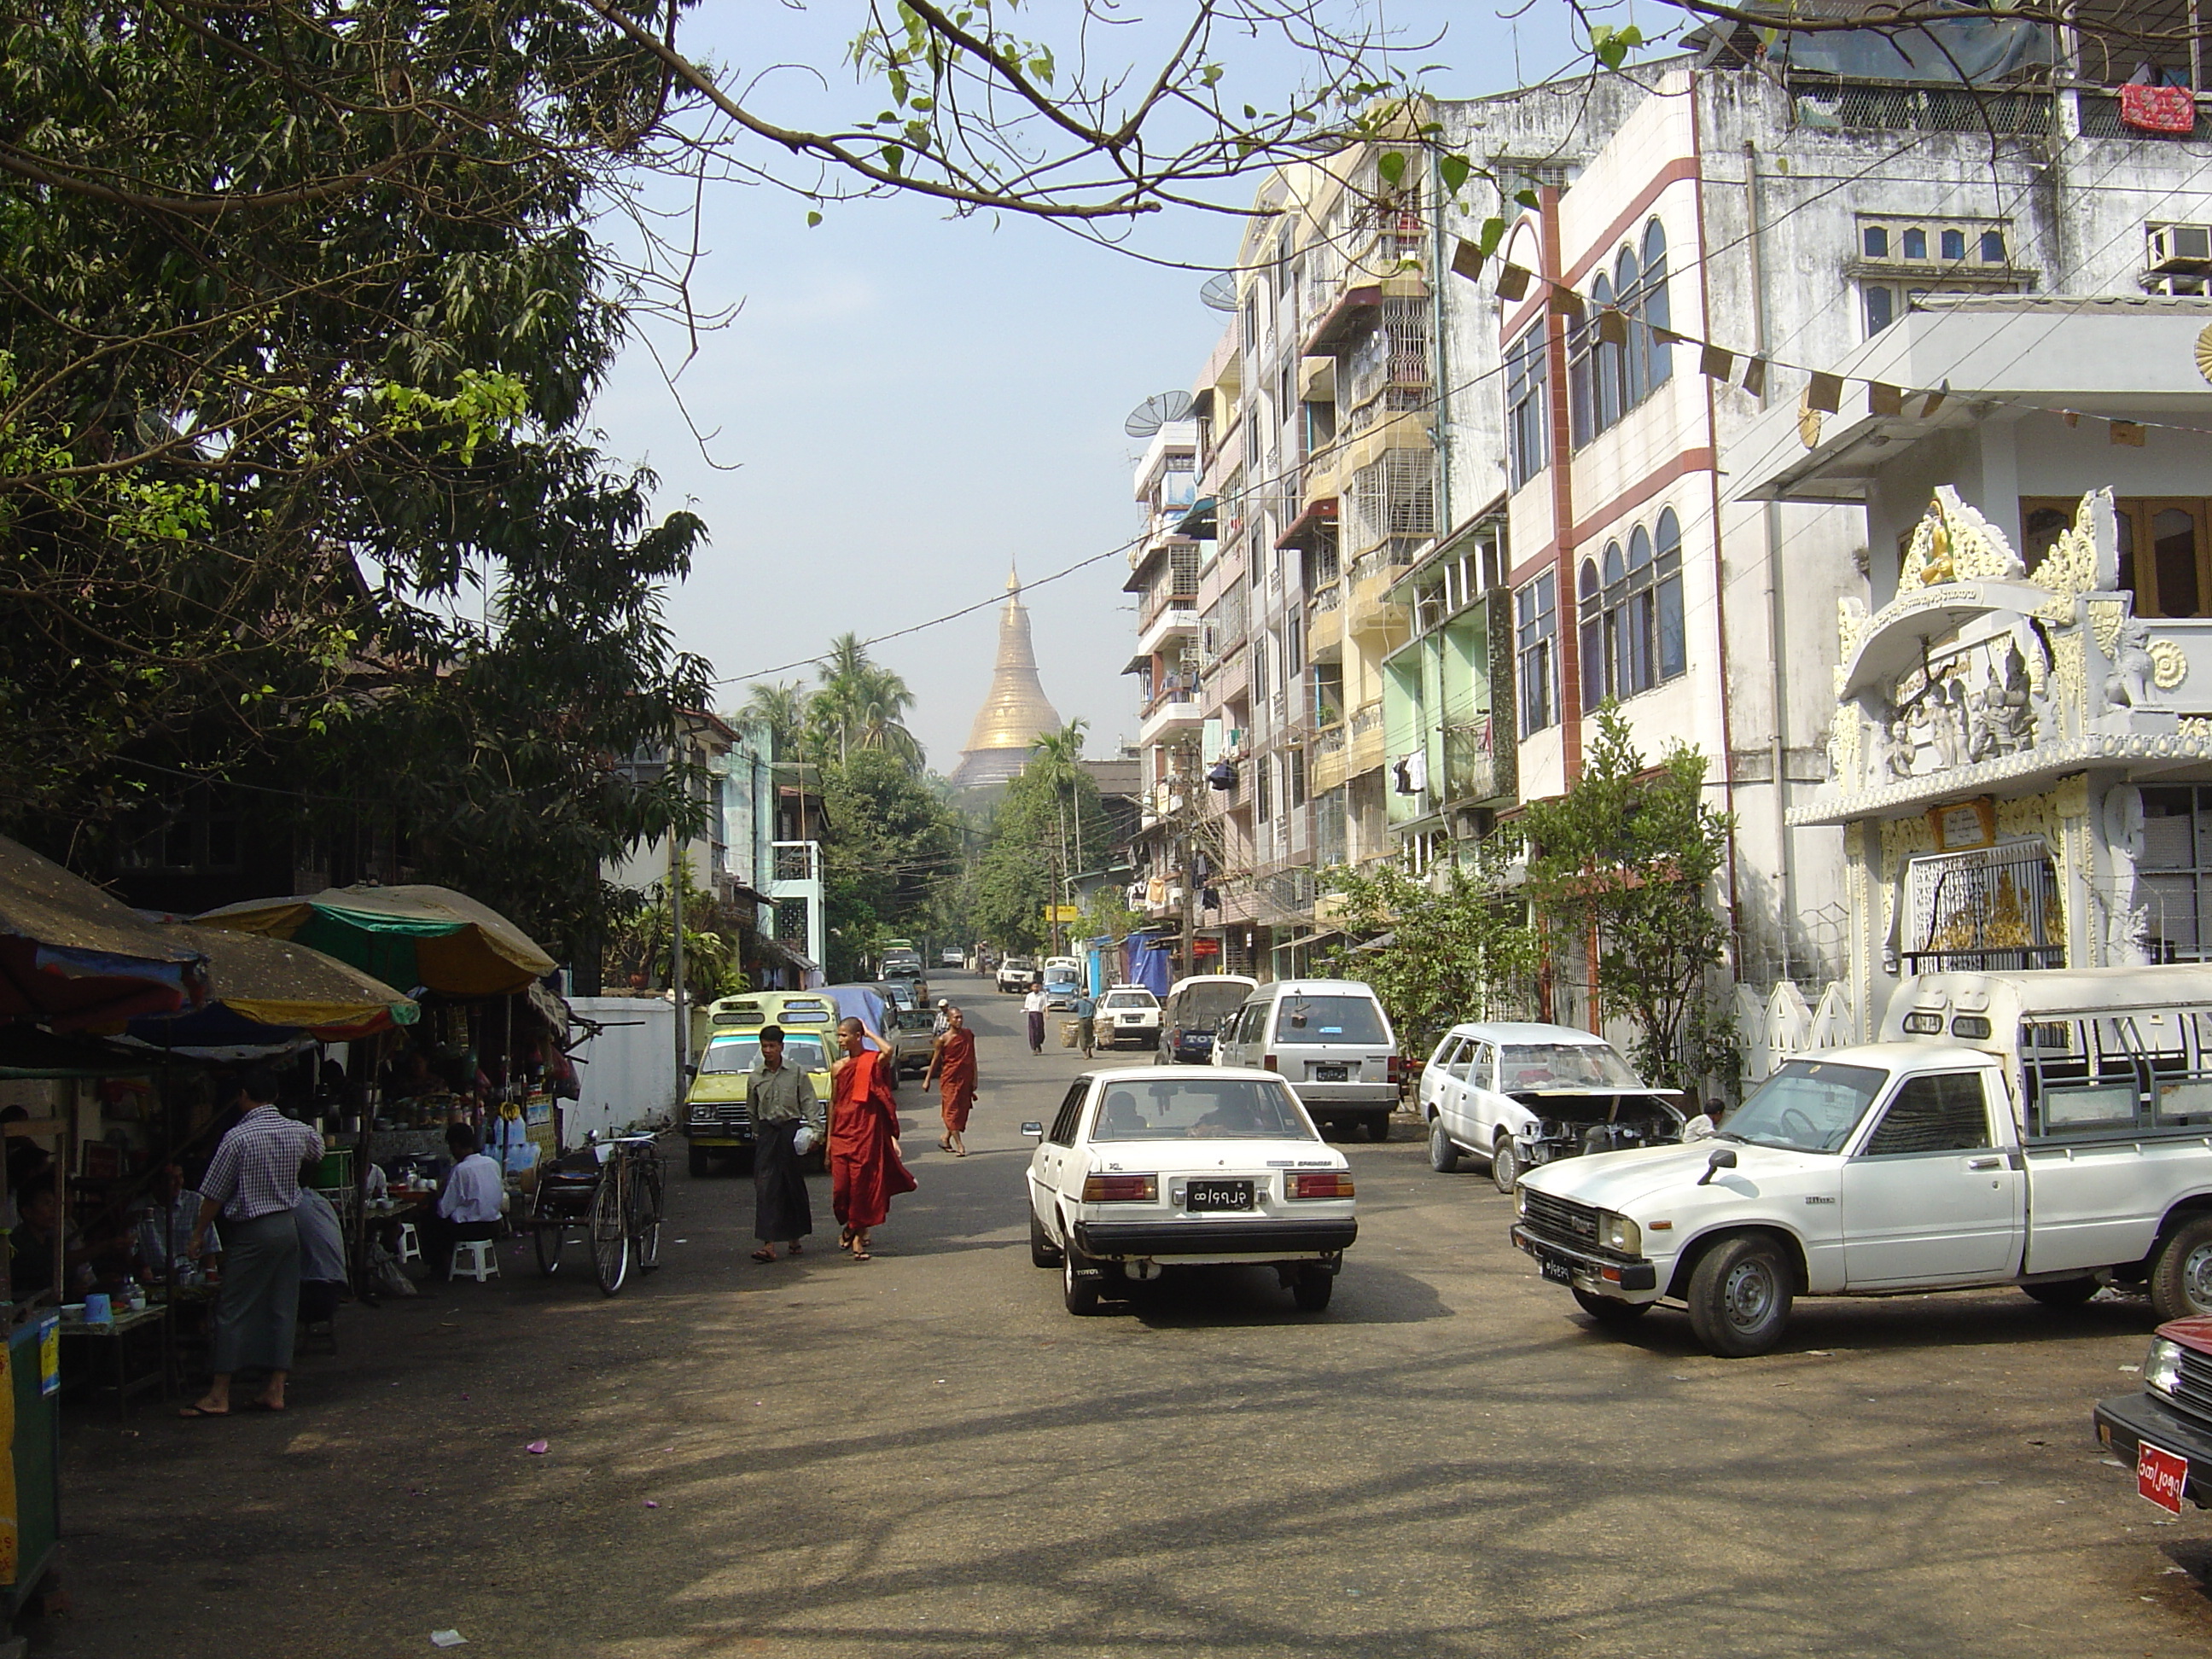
x=1182, y=572
x=1990, y=911
x=1393, y=356
x=1394, y=496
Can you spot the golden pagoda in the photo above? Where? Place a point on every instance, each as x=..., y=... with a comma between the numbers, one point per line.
x=1016, y=713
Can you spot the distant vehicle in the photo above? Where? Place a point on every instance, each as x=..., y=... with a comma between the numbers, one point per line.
x=1063, y=979
x=1016, y=972
x=902, y=965
x=1193, y=1012
x=1330, y=1040
x=1232, y=1172
x=950, y=956
x=717, y=1121
x=1518, y=1095
x=1128, y=1015
x=912, y=1036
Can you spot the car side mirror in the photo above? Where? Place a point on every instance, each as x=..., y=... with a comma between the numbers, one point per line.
x=1722, y=1158
x=691, y=1071
x=1034, y=1131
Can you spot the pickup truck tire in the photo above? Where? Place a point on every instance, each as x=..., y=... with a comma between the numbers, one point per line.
x=1043, y=1252
x=1443, y=1157
x=2181, y=1278
x=1378, y=1129
x=2062, y=1294
x=1739, y=1296
x=1311, y=1289
x=698, y=1163
x=1504, y=1164
x=1606, y=1310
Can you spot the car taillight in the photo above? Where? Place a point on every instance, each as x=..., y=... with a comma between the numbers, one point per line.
x=1120, y=1188
x=1332, y=1184
x=1397, y=1069
x=1268, y=1060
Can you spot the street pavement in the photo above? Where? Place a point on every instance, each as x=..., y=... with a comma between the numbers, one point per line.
x=925, y=1454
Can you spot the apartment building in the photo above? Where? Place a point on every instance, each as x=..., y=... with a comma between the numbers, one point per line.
x=1447, y=526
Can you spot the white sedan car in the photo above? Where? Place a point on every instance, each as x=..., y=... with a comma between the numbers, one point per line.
x=1144, y=1169
x=1129, y=1014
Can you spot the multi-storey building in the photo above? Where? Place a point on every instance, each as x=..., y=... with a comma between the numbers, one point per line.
x=1492, y=515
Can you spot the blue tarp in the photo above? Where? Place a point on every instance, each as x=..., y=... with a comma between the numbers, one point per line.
x=858, y=1002
x=1145, y=962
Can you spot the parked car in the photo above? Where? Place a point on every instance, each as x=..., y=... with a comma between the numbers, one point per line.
x=950, y=956
x=1143, y=1171
x=913, y=1033
x=1129, y=1016
x=1015, y=974
x=1063, y=980
x=1194, y=1010
x=1329, y=1040
x=2165, y=1432
x=717, y=1114
x=2050, y=1130
x=1519, y=1094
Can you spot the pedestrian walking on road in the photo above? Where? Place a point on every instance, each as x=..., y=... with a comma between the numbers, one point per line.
x=1086, y=1022
x=866, y=1172
x=1033, y=1005
x=779, y=1097
x=953, y=1062
x=252, y=1184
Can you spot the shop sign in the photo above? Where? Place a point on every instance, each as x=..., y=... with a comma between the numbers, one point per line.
x=1965, y=824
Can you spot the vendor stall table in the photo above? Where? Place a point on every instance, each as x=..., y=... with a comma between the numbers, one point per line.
x=132, y=1332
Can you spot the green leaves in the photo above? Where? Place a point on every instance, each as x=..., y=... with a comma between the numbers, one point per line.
x=1611, y=45
x=1390, y=167
x=1453, y=171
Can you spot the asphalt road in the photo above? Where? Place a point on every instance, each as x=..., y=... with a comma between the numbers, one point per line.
x=925, y=1455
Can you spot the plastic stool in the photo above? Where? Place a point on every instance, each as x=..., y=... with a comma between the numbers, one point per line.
x=410, y=1244
x=483, y=1263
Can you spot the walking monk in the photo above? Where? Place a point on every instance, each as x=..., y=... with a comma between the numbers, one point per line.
x=865, y=1171
x=953, y=1062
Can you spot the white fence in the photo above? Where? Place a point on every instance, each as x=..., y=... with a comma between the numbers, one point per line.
x=1781, y=1024
x=628, y=1072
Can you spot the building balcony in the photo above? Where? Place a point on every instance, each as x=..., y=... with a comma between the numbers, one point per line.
x=1325, y=758
x=1175, y=618
x=1371, y=615
x=1325, y=624
x=1364, y=747
x=1174, y=710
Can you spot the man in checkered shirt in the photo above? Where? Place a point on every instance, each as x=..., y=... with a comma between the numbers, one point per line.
x=252, y=1182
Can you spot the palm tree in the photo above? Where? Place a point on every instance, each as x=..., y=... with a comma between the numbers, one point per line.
x=1059, y=756
x=779, y=709
x=862, y=704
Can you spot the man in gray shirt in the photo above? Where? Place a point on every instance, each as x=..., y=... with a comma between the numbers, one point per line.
x=780, y=1097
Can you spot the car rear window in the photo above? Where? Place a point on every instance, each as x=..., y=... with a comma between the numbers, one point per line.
x=1131, y=1000
x=1329, y=1019
x=1226, y=1109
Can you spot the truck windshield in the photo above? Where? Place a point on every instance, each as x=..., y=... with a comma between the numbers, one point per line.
x=742, y=1054
x=1563, y=1065
x=1808, y=1106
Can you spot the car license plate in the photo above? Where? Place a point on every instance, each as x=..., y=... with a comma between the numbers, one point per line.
x=1328, y=1073
x=2161, y=1476
x=1556, y=1270
x=1218, y=1195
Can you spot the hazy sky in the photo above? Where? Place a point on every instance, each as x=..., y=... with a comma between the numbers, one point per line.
x=905, y=404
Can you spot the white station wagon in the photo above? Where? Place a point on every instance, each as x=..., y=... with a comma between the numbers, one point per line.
x=1145, y=1169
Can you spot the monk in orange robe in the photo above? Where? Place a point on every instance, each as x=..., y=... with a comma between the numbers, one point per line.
x=953, y=1062
x=865, y=1171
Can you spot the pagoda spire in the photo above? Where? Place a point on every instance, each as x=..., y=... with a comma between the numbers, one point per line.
x=1015, y=713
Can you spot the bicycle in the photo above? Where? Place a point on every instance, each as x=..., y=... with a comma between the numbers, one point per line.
x=611, y=1190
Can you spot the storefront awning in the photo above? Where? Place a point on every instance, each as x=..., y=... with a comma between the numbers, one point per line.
x=73, y=956
x=266, y=991
x=430, y=937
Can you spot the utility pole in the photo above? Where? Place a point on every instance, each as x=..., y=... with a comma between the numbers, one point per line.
x=676, y=948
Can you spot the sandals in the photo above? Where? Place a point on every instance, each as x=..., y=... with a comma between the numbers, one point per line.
x=191, y=1411
x=862, y=1255
x=945, y=1145
x=763, y=1254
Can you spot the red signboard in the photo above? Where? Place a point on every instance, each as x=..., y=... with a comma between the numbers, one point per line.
x=2160, y=1476
x=1203, y=946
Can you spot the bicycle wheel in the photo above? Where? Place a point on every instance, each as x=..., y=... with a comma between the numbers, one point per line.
x=609, y=1229
x=646, y=1203
x=548, y=1241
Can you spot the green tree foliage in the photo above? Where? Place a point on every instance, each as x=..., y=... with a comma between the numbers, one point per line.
x=1048, y=824
x=1458, y=950
x=302, y=311
x=637, y=944
x=892, y=850
x=1629, y=856
x=861, y=705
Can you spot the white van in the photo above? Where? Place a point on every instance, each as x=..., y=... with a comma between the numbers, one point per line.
x=1329, y=1040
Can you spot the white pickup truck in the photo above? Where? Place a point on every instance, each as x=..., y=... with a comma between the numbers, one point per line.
x=2049, y=1130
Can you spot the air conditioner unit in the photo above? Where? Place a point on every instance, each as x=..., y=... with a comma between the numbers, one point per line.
x=2176, y=285
x=2185, y=248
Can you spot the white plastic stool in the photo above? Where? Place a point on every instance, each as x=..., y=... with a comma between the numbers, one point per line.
x=483, y=1260
x=410, y=1244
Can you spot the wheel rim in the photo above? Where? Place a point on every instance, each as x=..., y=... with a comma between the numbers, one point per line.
x=550, y=1240
x=2197, y=1277
x=1748, y=1299
x=1505, y=1167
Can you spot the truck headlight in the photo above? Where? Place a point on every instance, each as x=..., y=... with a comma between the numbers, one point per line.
x=1622, y=1234
x=1521, y=1202
x=2161, y=1371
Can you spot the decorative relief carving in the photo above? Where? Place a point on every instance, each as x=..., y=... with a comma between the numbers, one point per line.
x=1843, y=738
x=1851, y=627
x=2169, y=665
x=2069, y=666
x=2106, y=616
x=1954, y=543
x=2071, y=797
x=2070, y=568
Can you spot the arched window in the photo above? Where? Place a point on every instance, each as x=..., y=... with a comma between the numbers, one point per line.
x=1590, y=609
x=1666, y=571
x=1636, y=356
x=1655, y=312
x=1605, y=361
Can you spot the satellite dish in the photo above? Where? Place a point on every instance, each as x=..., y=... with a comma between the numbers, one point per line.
x=1219, y=293
x=1150, y=415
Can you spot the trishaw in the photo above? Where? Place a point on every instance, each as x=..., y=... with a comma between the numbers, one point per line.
x=609, y=1190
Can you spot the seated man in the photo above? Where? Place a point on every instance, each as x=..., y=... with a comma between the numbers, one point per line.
x=322, y=1249
x=161, y=1232
x=31, y=1245
x=468, y=1202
